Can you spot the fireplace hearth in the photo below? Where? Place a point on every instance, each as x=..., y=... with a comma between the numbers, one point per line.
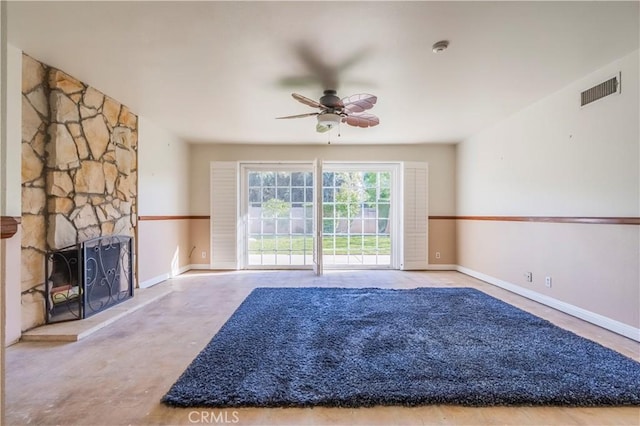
x=88, y=277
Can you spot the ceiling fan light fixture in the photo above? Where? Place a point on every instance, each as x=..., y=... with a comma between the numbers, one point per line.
x=351, y=110
x=329, y=120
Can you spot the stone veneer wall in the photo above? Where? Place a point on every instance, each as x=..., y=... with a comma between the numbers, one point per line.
x=79, y=172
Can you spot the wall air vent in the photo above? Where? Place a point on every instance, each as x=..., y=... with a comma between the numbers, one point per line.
x=601, y=90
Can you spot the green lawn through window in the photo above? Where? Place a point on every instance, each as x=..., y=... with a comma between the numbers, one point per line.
x=355, y=244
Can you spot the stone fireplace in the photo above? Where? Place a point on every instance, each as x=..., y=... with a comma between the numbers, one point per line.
x=79, y=172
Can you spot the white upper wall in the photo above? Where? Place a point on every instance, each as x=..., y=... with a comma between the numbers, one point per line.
x=163, y=171
x=441, y=159
x=12, y=150
x=555, y=158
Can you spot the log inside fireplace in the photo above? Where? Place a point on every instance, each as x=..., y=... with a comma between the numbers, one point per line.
x=88, y=277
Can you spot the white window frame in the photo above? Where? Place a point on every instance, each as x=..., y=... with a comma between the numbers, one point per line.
x=394, y=169
x=245, y=168
x=409, y=221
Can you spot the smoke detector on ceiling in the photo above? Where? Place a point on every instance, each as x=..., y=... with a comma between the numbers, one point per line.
x=440, y=46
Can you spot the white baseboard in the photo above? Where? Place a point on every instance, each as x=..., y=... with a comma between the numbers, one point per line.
x=160, y=278
x=597, y=319
x=441, y=267
x=154, y=280
x=199, y=266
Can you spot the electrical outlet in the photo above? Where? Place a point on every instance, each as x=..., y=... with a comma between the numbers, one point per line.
x=437, y=255
x=547, y=281
x=204, y=254
x=528, y=276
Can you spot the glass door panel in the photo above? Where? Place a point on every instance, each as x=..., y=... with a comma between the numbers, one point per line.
x=279, y=217
x=356, y=208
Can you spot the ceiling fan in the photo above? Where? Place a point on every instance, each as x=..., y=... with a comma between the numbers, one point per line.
x=333, y=110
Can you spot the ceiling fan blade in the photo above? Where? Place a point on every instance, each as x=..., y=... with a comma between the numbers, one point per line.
x=298, y=115
x=299, y=81
x=352, y=60
x=359, y=103
x=361, y=120
x=306, y=101
x=321, y=70
x=321, y=128
x=314, y=61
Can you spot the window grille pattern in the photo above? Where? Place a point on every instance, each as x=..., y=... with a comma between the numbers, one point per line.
x=280, y=218
x=355, y=218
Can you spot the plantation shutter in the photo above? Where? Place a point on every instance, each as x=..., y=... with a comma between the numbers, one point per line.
x=415, y=216
x=224, y=215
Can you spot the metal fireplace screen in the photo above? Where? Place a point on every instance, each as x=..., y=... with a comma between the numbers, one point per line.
x=89, y=277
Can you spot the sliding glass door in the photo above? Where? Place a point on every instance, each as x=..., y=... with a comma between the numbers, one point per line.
x=279, y=213
x=357, y=229
x=338, y=215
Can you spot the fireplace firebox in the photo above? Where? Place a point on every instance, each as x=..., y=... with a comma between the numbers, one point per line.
x=88, y=277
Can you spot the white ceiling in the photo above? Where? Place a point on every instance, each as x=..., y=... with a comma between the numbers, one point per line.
x=221, y=71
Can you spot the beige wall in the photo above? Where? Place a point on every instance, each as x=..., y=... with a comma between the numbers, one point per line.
x=163, y=186
x=164, y=249
x=163, y=171
x=199, y=232
x=441, y=159
x=593, y=267
x=11, y=189
x=557, y=159
x=12, y=150
x=11, y=275
x=442, y=239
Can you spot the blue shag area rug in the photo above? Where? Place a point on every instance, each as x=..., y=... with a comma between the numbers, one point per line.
x=300, y=347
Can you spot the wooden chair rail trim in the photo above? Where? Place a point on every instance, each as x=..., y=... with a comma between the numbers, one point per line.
x=9, y=226
x=549, y=219
x=171, y=217
x=546, y=219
